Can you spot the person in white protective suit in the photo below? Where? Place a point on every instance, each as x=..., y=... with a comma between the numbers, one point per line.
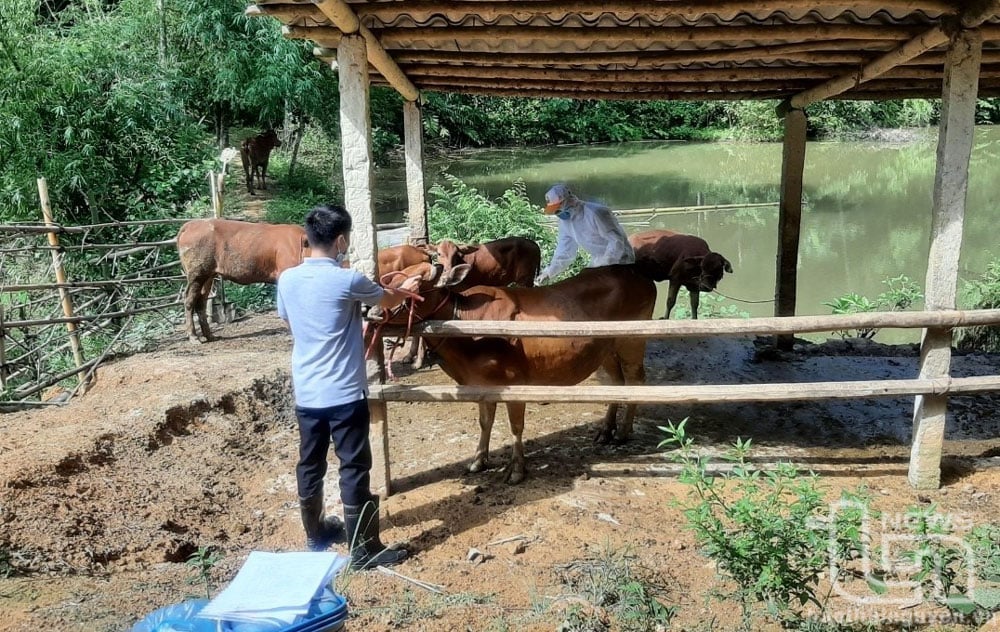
x=589, y=225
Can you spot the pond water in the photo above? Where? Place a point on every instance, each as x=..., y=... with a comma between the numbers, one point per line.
x=866, y=219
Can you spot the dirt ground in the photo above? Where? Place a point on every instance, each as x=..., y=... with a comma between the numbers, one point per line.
x=104, y=499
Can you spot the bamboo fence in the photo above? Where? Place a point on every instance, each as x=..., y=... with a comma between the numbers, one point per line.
x=43, y=324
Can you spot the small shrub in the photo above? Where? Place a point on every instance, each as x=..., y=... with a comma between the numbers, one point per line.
x=981, y=293
x=901, y=294
x=612, y=588
x=763, y=528
x=202, y=562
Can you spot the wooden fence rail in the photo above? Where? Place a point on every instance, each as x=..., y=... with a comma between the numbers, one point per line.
x=714, y=327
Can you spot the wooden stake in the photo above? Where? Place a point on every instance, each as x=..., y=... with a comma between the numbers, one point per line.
x=413, y=131
x=67, y=301
x=3, y=352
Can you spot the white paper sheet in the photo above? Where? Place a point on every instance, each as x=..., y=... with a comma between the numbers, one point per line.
x=275, y=586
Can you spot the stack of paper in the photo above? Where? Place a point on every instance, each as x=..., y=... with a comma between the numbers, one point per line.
x=275, y=587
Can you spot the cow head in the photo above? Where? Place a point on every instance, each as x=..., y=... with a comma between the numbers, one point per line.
x=707, y=270
x=450, y=254
x=435, y=280
x=269, y=139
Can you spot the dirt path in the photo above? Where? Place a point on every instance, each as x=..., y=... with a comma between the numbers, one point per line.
x=103, y=500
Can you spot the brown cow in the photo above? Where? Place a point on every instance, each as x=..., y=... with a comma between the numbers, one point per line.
x=617, y=292
x=242, y=252
x=394, y=259
x=499, y=262
x=684, y=259
x=255, y=152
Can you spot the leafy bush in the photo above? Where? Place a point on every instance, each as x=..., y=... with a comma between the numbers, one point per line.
x=763, y=528
x=900, y=296
x=463, y=214
x=981, y=293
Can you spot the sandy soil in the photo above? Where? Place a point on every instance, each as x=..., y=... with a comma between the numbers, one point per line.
x=104, y=499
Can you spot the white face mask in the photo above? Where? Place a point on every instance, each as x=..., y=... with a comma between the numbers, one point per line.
x=340, y=258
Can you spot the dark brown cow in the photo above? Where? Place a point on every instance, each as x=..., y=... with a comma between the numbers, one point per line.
x=255, y=152
x=500, y=262
x=242, y=252
x=683, y=259
x=607, y=293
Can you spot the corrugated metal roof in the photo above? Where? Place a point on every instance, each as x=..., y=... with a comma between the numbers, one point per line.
x=655, y=49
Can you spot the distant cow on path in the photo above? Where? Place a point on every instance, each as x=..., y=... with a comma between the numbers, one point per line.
x=683, y=259
x=241, y=252
x=254, y=153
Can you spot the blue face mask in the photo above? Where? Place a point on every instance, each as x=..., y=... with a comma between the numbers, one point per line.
x=340, y=258
x=564, y=214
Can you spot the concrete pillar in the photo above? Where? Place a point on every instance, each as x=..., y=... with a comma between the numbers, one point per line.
x=793, y=160
x=413, y=132
x=356, y=141
x=951, y=180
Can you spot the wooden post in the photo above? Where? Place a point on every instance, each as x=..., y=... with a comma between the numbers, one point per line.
x=67, y=301
x=3, y=352
x=355, y=134
x=951, y=181
x=413, y=132
x=793, y=160
x=217, y=305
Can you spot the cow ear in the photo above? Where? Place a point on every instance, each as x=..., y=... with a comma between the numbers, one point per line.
x=455, y=275
x=728, y=267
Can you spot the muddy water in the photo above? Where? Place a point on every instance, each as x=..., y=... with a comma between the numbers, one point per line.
x=867, y=214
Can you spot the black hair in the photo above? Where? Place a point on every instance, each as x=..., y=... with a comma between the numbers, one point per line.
x=325, y=223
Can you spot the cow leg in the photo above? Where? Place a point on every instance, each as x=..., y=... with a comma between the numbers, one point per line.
x=421, y=355
x=263, y=175
x=612, y=365
x=248, y=172
x=695, y=297
x=632, y=355
x=201, y=304
x=487, y=413
x=191, y=294
x=672, y=297
x=516, y=470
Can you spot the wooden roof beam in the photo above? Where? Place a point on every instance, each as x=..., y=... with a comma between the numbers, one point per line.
x=970, y=18
x=523, y=10
x=340, y=14
x=458, y=37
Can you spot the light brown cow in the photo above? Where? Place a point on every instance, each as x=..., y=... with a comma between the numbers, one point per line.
x=684, y=259
x=607, y=293
x=511, y=260
x=242, y=252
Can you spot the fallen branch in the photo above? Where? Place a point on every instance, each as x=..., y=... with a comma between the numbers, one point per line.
x=434, y=588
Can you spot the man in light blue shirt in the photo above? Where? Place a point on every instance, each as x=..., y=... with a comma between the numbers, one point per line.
x=321, y=302
x=586, y=225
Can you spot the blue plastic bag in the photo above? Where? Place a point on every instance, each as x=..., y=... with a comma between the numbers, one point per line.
x=180, y=617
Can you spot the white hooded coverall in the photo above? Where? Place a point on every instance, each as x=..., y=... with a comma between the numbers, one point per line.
x=594, y=228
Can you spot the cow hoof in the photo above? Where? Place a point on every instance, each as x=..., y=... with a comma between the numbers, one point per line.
x=477, y=466
x=195, y=340
x=603, y=436
x=514, y=476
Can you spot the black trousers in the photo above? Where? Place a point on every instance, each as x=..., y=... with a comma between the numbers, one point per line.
x=347, y=425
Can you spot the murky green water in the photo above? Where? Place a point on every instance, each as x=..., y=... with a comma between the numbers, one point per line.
x=867, y=216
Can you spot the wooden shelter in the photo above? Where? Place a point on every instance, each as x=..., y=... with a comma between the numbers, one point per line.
x=796, y=51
